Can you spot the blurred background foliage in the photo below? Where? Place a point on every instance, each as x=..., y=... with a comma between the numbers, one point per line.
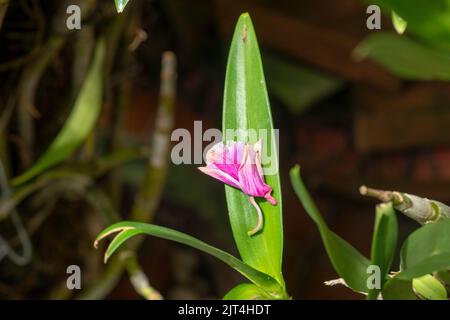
x=354, y=106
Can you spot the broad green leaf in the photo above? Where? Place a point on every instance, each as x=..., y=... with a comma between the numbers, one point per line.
x=397, y=289
x=351, y=265
x=384, y=242
x=428, y=20
x=246, y=107
x=399, y=23
x=246, y=291
x=426, y=250
x=428, y=287
x=80, y=122
x=405, y=57
x=128, y=229
x=120, y=5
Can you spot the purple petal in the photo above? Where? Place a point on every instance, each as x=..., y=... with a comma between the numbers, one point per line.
x=226, y=158
x=220, y=175
x=252, y=182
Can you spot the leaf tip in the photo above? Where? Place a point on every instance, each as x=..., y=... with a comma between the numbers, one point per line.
x=399, y=23
x=97, y=240
x=244, y=21
x=119, y=8
x=244, y=16
x=120, y=5
x=295, y=171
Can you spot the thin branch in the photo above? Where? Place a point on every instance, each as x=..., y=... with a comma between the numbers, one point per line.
x=5, y=248
x=70, y=172
x=149, y=194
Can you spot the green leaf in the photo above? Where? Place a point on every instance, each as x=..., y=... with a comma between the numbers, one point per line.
x=128, y=229
x=298, y=87
x=428, y=20
x=246, y=291
x=397, y=289
x=399, y=23
x=80, y=122
x=384, y=242
x=426, y=250
x=246, y=107
x=347, y=261
x=405, y=57
x=120, y=5
x=428, y=287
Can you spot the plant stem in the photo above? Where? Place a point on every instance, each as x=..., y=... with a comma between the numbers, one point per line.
x=422, y=210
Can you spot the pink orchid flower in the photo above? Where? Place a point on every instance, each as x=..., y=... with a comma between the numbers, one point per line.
x=238, y=164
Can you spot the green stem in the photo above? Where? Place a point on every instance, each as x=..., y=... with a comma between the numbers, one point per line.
x=420, y=209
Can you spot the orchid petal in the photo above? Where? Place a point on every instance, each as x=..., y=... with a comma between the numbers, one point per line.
x=220, y=175
x=239, y=165
x=251, y=181
x=226, y=158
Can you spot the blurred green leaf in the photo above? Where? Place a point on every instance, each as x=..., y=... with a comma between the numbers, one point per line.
x=246, y=106
x=384, y=242
x=405, y=57
x=426, y=250
x=246, y=291
x=298, y=87
x=128, y=229
x=78, y=125
x=428, y=287
x=120, y=5
x=347, y=261
x=211, y=207
x=429, y=20
x=399, y=23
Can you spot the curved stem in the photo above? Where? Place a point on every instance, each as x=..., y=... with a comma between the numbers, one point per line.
x=258, y=226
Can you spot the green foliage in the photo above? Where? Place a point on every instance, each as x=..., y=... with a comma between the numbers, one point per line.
x=428, y=20
x=405, y=57
x=246, y=291
x=128, y=229
x=428, y=287
x=79, y=124
x=423, y=56
x=246, y=106
x=398, y=289
x=384, y=242
x=426, y=250
x=347, y=261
